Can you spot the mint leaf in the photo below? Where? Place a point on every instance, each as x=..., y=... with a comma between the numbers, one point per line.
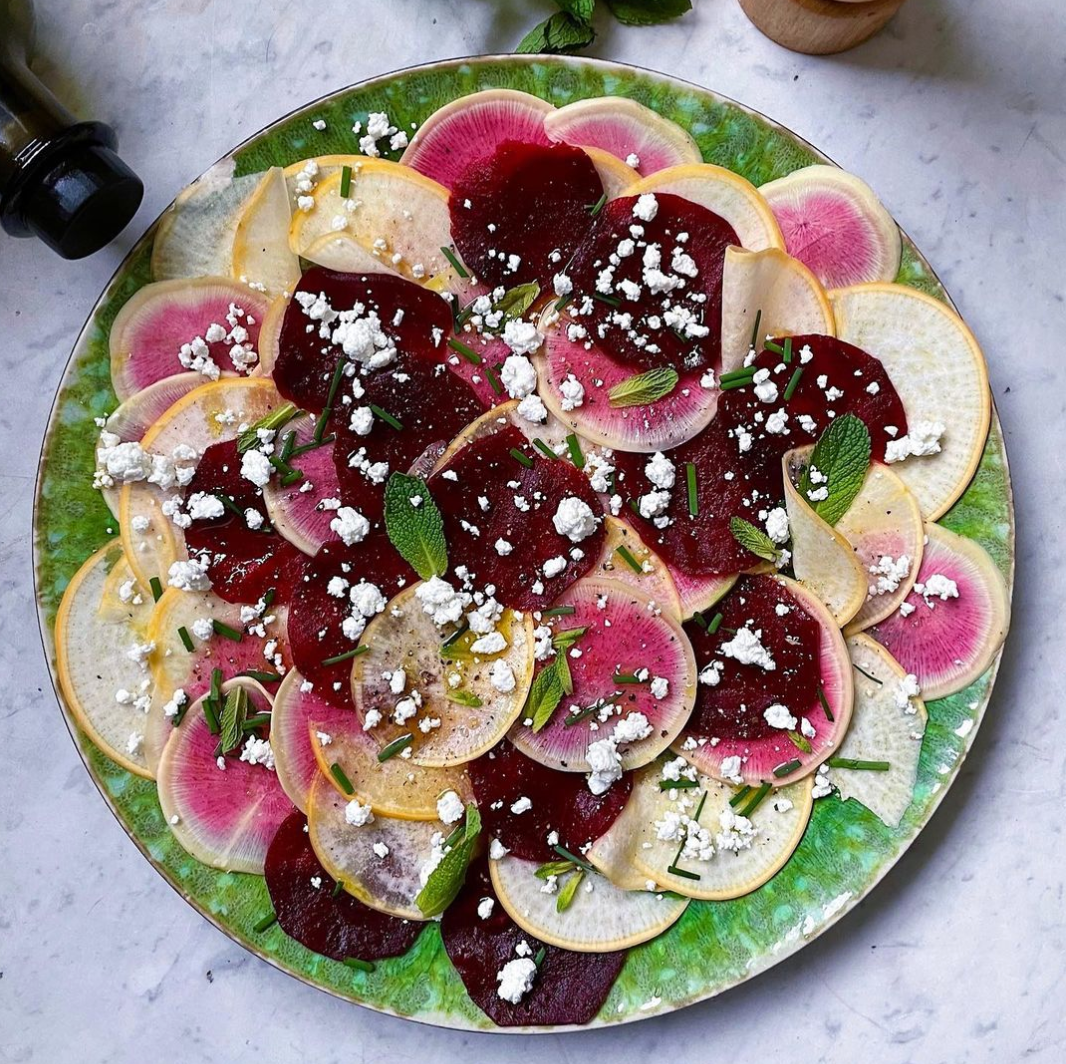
x=753, y=539
x=545, y=694
x=560, y=34
x=463, y=698
x=515, y=302
x=647, y=12
x=446, y=880
x=415, y=527
x=581, y=9
x=837, y=468
x=643, y=388
x=566, y=895
x=234, y=714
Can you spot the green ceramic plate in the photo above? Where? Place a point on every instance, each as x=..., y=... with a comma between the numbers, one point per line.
x=715, y=945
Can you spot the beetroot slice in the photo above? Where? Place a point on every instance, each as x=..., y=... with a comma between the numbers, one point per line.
x=704, y=544
x=484, y=469
x=537, y=198
x=562, y=802
x=315, y=616
x=678, y=226
x=306, y=361
x=337, y=927
x=569, y=988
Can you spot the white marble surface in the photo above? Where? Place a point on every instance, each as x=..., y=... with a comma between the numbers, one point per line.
x=956, y=115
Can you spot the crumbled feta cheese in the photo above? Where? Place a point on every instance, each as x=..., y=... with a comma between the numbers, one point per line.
x=574, y=519
x=357, y=814
x=450, y=807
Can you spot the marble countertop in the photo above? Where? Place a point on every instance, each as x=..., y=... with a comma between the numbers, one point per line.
x=956, y=116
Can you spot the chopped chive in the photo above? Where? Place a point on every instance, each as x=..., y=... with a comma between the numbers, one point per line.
x=626, y=555
x=216, y=684
x=678, y=785
x=327, y=410
x=595, y=208
x=261, y=676
x=211, y=716
x=291, y=477
x=756, y=800
x=786, y=354
x=225, y=630
x=268, y=598
x=358, y=965
x=386, y=417
x=799, y=742
x=793, y=381
x=558, y=611
x=347, y=655
x=627, y=677
x=565, y=897
x=859, y=765
x=186, y=639
x=249, y=438
x=455, y=263
x=554, y=868
x=456, y=635
x=771, y=346
x=874, y=679
x=494, y=381
x=583, y=714
x=740, y=373
x=464, y=698
x=312, y=446
x=538, y=957
x=787, y=767
x=346, y=182
x=693, y=499
x=467, y=352
x=229, y=504
x=755, y=330
x=341, y=777
x=684, y=873
x=402, y=743
x=157, y=588
x=562, y=851
x=699, y=808
x=521, y=458
x=715, y=623
x=543, y=448
x=561, y=303
x=738, y=382
x=257, y=720
x=825, y=705
x=264, y=922
x=287, y=444
x=609, y=300
x=576, y=454
x=739, y=796
x=338, y=887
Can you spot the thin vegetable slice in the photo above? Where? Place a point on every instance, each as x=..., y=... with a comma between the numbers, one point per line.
x=261, y=255
x=626, y=558
x=615, y=174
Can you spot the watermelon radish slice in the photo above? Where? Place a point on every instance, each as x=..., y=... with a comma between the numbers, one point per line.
x=597, y=921
x=764, y=839
x=947, y=642
x=736, y=734
x=884, y=527
x=339, y=927
x=833, y=223
x=93, y=659
x=500, y=204
x=938, y=369
x=194, y=237
x=261, y=256
x=624, y=128
x=722, y=192
x=627, y=559
x=224, y=817
x=700, y=592
x=615, y=176
x=625, y=633
x=131, y=419
x=471, y=128
x=561, y=803
x=405, y=637
x=176, y=668
x=150, y=329
x=570, y=988
x=389, y=884
x=778, y=292
x=822, y=557
x=887, y=725
x=551, y=432
x=291, y=735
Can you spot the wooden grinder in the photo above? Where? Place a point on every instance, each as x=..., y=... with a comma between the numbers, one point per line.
x=819, y=27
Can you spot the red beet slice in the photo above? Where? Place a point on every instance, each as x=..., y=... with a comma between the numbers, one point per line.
x=562, y=802
x=337, y=927
x=483, y=469
x=679, y=225
x=570, y=988
x=536, y=198
x=704, y=544
x=305, y=363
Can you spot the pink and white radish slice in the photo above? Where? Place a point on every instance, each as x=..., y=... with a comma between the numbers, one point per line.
x=627, y=559
x=887, y=726
x=950, y=627
x=224, y=817
x=626, y=129
x=776, y=291
x=833, y=223
x=938, y=369
x=261, y=255
x=729, y=195
x=104, y=679
x=150, y=329
x=472, y=128
x=625, y=633
x=884, y=527
x=699, y=593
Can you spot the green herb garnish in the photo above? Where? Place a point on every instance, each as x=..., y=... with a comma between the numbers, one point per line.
x=566, y=895
x=249, y=438
x=681, y=784
x=559, y=611
x=327, y=410
x=793, y=381
x=714, y=623
x=456, y=265
x=842, y=457
x=859, y=765
x=756, y=800
x=446, y=880
x=644, y=388
x=799, y=741
x=562, y=851
x=467, y=352
x=157, y=588
x=234, y=714
x=261, y=676
x=521, y=459
x=566, y=638
x=595, y=208
x=463, y=698
x=346, y=656
x=545, y=694
x=786, y=768
x=341, y=777
x=225, y=630
x=516, y=301
x=385, y=416
x=825, y=705
x=740, y=796
x=417, y=532
x=186, y=639
x=690, y=479
x=755, y=328
x=577, y=456
x=543, y=448
x=346, y=182
x=754, y=539
x=554, y=868
x=395, y=747
x=626, y=555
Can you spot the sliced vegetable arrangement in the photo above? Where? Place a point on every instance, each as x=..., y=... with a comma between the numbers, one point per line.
x=526, y=534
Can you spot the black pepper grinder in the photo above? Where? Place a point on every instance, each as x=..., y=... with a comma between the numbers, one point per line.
x=60, y=179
